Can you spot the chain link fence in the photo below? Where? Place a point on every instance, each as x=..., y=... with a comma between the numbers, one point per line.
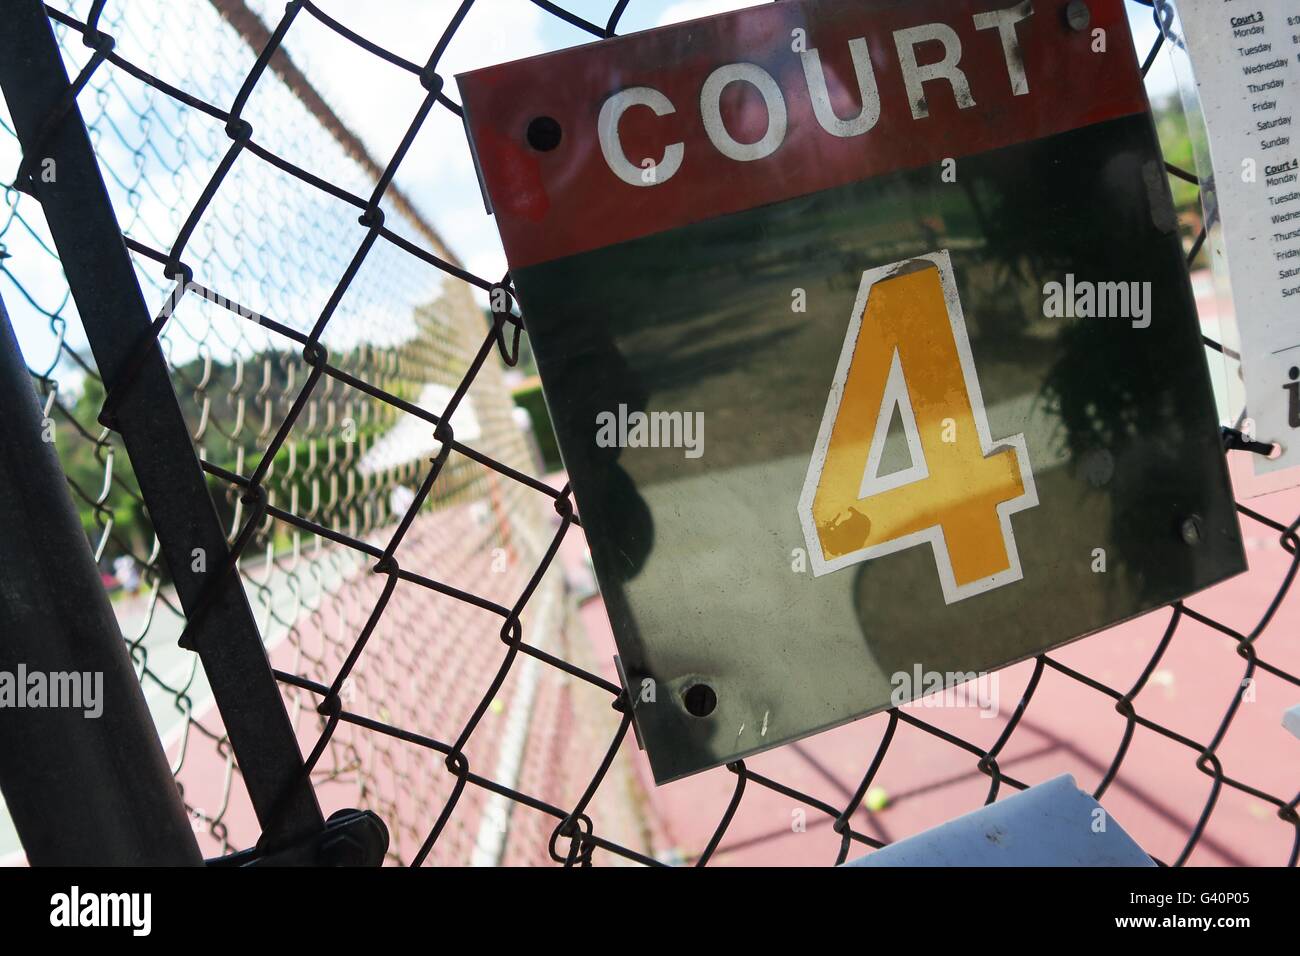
x=345, y=391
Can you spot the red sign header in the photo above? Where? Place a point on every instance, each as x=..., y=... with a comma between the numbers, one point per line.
x=615, y=140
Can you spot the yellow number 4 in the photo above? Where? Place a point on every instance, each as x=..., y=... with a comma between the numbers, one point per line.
x=907, y=354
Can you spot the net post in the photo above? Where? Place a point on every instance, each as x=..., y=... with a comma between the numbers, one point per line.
x=83, y=773
x=148, y=417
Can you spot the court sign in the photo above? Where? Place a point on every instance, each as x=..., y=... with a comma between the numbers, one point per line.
x=866, y=334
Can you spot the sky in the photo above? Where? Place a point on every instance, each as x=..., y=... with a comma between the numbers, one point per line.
x=438, y=173
x=240, y=248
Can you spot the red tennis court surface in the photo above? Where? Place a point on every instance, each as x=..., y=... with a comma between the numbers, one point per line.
x=1158, y=795
x=545, y=733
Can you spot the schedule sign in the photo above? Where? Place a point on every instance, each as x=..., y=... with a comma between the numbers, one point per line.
x=1246, y=61
x=867, y=338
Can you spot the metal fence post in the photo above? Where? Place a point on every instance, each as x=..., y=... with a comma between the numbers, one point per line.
x=71, y=190
x=84, y=774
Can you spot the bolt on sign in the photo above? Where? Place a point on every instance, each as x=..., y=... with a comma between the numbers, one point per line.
x=866, y=333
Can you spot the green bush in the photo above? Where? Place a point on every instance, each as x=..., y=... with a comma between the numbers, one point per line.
x=529, y=398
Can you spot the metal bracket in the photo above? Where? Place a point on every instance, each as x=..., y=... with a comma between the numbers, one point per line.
x=1236, y=440
x=350, y=838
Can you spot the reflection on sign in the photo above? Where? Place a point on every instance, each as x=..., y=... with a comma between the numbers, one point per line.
x=907, y=354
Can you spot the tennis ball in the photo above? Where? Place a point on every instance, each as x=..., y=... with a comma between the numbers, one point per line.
x=877, y=799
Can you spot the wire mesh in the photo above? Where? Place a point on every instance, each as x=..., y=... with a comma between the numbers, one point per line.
x=346, y=395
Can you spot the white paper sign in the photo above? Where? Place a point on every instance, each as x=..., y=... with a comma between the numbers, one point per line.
x=1245, y=55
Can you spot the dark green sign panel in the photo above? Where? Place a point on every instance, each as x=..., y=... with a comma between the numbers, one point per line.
x=868, y=341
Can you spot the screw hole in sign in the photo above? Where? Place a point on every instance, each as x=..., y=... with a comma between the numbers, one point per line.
x=544, y=134
x=700, y=700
